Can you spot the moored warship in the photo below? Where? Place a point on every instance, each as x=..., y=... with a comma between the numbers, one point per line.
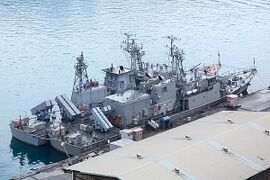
x=130, y=96
x=146, y=92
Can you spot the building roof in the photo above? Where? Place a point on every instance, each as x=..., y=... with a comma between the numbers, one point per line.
x=128, y=96
x=226, y=145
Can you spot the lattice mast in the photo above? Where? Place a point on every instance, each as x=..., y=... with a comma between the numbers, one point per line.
x=135, y=51
x=177, y=58
x=81, y=81
x=171, y=52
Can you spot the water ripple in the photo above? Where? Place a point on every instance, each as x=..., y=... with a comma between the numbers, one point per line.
x=41, y=39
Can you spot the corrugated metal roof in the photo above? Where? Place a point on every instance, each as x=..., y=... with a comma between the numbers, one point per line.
x=226, y=145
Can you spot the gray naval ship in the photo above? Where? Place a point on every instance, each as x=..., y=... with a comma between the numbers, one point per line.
x=141, y=94
x=146, y=91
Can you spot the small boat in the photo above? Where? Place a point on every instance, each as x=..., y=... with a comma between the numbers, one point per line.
x=30, y=131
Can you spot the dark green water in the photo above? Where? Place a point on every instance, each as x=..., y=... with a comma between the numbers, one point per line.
x=30, y=158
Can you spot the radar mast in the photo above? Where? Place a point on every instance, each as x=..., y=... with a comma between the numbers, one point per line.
x=135, y=51
x=177, y=58
x=81, y=81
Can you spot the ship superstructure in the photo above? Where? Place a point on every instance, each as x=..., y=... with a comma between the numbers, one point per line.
x=169, y=89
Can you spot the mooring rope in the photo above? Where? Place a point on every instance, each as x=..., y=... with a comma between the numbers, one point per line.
x=262, y=80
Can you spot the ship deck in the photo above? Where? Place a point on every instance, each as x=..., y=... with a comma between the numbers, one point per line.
x=88, y=137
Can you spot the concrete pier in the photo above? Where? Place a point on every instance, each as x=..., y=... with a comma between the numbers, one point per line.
x=258, y=101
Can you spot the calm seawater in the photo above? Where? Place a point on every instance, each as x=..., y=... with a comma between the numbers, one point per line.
x=39, y=41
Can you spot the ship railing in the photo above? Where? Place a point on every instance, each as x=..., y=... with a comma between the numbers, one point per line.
x=100, y=143
x=95, y=145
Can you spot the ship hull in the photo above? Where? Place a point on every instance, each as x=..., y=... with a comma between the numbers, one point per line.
x=203, y=107
x=189, y=113
x=28, y=138
x=68, y=149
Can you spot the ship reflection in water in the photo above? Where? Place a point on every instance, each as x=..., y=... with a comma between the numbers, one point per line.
x=31, y=156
